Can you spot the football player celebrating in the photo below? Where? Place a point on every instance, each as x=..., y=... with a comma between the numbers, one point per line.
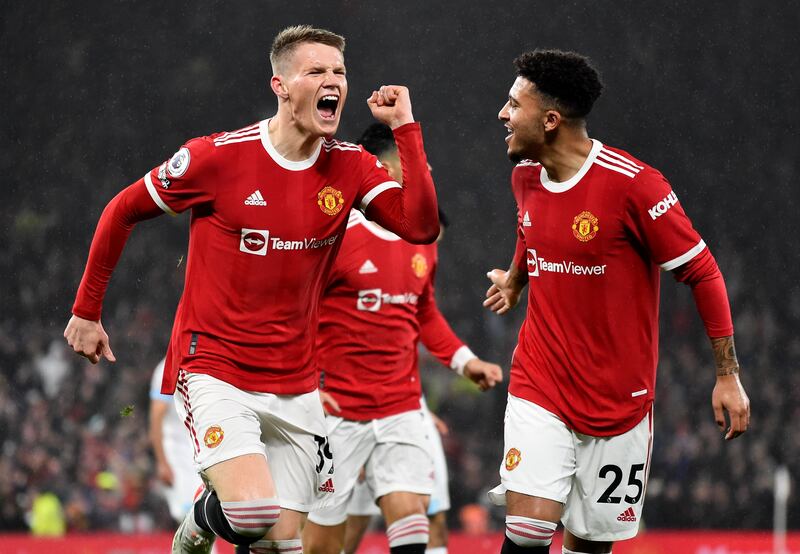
x=378, y=304
x=595, y=228
x=270, y=203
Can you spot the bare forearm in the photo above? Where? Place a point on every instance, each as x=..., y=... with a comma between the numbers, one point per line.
x=157, y=412
x=517, y=277
x=725, y=356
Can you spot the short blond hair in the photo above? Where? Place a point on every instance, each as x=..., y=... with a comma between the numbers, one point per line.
x=290, y=38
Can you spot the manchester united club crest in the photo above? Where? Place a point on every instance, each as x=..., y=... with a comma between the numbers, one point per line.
x=420, y=265
x=330, y=200
x=213, y=436
x=513, y=458
x=584, y=226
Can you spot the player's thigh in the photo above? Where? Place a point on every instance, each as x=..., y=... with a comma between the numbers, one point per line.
x=323, y=539
x=438, y=530
x=355, y=529
x=539, y=463
x=297, y=446
x=225, y=432
x=352, y=443
x=607, y=496
x=401, y=461
x=397, y=505
x=440, y=497
x=288, y=525
x=362, y=501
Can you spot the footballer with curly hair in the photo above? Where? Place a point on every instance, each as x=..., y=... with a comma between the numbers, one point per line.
x=595, y=227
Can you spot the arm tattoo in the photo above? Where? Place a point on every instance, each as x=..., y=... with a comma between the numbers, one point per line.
x=725, y=356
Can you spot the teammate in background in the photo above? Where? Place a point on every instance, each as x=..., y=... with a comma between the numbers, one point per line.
x=172, y=449
x=379, y=302
x=362, y=508
x=595, y=227
x=270, y=203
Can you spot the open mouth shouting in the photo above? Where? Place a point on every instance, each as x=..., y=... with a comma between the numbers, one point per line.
x=327, y=105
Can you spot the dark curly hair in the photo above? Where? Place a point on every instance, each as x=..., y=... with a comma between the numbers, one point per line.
x=567, y=78
x=377, y=139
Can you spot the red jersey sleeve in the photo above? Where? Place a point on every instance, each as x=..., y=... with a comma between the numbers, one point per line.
x=186, y=180
x=125, y=210
x=656, y=219
x=436, y=334
x=710, y=295
x=183, y=181
x=409, y=211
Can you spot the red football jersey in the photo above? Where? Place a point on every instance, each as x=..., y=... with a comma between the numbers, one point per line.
x=264, y=233
x=378, y=303
x=593, y=247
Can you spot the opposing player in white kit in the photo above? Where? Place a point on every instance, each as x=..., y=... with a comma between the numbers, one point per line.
x=596, y=226
x=173, y=450
x=378, y=304
x=270, y=203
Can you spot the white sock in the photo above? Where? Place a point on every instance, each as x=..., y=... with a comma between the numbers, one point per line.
x=436, y=550
x=413, y=529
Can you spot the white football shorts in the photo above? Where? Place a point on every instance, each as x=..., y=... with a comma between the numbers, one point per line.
x=362, y=501
x=288, y=430
x=600, y=480
x=394, y=451
x=185, y=480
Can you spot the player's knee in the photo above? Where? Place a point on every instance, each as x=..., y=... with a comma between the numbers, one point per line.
x=409, y=530
x=250, y=520
x=528, y=532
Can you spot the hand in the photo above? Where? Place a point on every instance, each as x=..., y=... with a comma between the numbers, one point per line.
x=329, y=404
x=484, y=374
x=729, y=396
x=391, y=105
x=503, y=294
x=440, y=425
x=88, y=339
x=164, y=473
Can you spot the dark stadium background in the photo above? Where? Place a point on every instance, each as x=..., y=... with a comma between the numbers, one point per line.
x=96, y=93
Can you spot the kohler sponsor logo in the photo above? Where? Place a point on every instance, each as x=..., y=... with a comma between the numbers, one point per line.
x=661, y=208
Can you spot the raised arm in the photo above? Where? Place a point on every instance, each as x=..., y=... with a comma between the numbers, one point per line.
x=409, y=211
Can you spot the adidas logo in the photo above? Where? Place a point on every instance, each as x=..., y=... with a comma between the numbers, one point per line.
x=327, y=486
x=526, y=220
x=255, y=199
x=368, y=267
x=627, y=515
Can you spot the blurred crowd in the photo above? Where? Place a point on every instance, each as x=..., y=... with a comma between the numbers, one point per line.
x=79, y=431
x=97, y=101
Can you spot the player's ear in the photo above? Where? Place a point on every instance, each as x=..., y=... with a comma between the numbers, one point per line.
x=279, y=87
x=393, y=167
x=552, y=119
